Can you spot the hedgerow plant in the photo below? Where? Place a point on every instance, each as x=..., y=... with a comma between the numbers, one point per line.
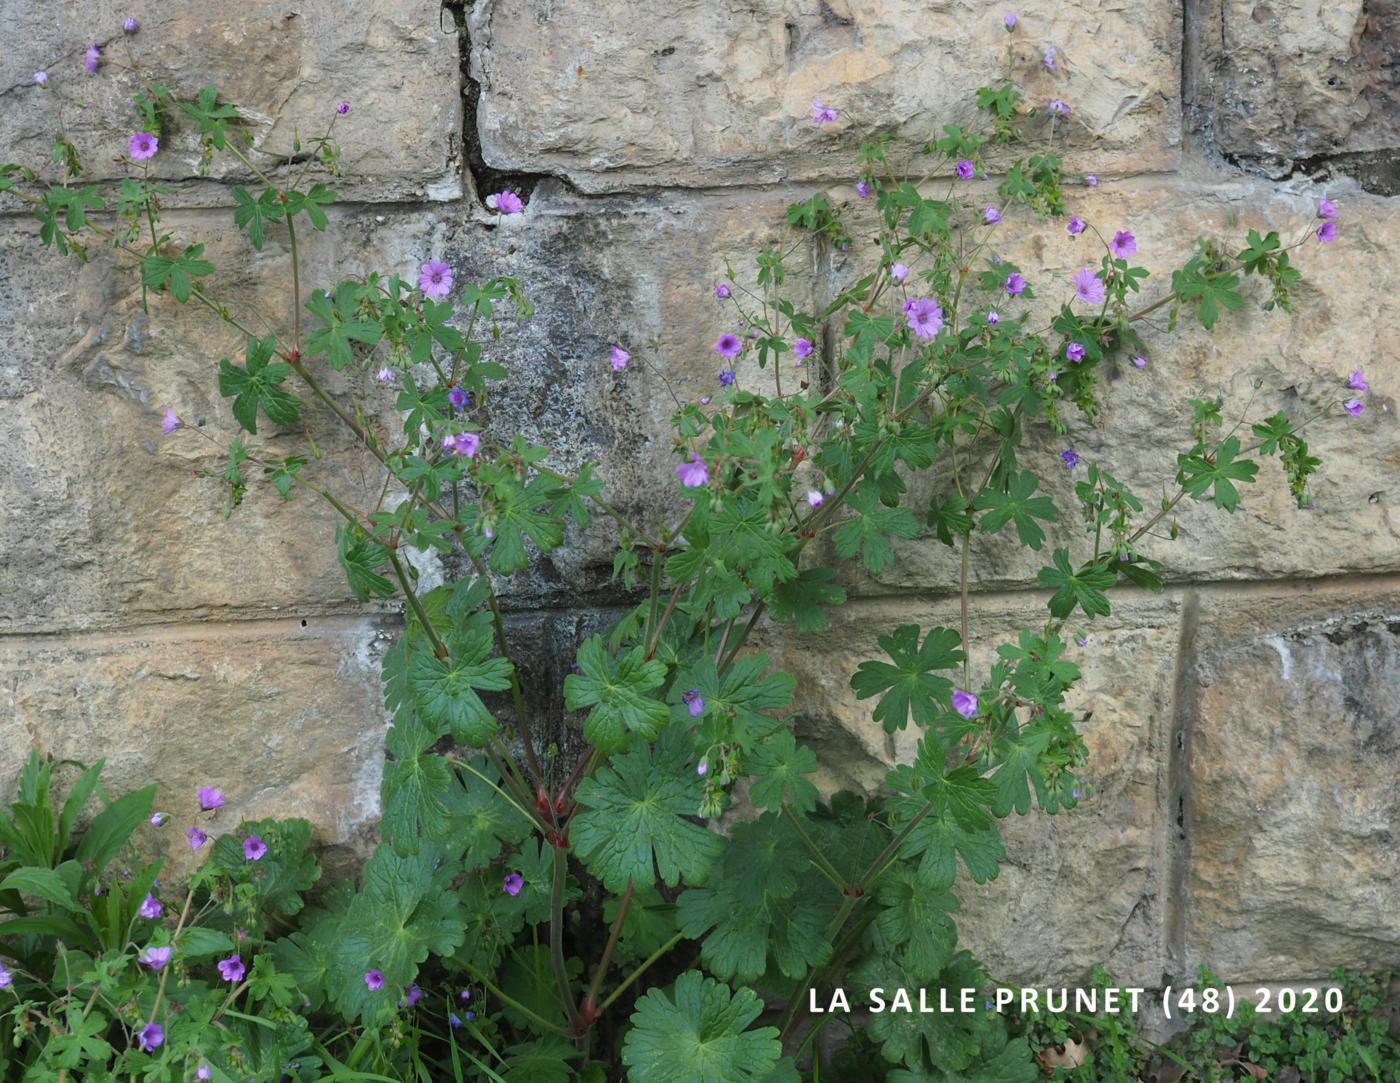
x=588, y=909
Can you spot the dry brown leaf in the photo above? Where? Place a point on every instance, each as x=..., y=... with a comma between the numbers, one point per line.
x=1069, y=1055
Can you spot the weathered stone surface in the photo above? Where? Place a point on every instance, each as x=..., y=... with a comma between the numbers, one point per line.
x=1294, y=787
x=1345, y=316
x=617, y=95
x=395, y=61
x=286, y=720
x=1083, y=887
x=1291, y=80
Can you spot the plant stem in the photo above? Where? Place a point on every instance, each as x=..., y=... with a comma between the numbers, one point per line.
x=556, y=938
x=640, y=970
x=590, y=1000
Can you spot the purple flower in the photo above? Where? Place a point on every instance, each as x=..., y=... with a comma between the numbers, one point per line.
x=1087, y=287
x=343, y=108
x=924, y=317
x=151, y=1038
x=721, y=290
x=92, y=58
x=1357, y=382
x=1075, y=352
x=1070, y=458
x=1326, y=209
x=6, y=978
x=694, y=702
x=618, y=357
x=1140, y=362
x=899, y=272
x=728, y=346
x=374, y=980
x=702, y=768
x=993, y=319
x=150, y=907
x=203, y=1072
x=1049, y=59
x=1076, y=226
x=815, y=498
x=462, y=443
x=196, y=838
x=505, y=203
x=726, y=377
x=1354, y=407
x=1327, y=232
x=1076, y=793
x=435, y=279
x=41, y=77
x=821, y=114
x=465, y=995
x=1091, y=180
x=512, y=884
x=694, y=473
x=863, y=189
x=1057, y=105
x=1081, y=641
x=991, y=216
x=965, y=703
x=965, y=169
x=155, y=958
x=210, y=799
x=130, y=25
x=802, y=348
x=457, y=397
x=232, y=969
x=454, y=1019
x=1015, y=285
x=1009, y=20
x=412, y=997
x=158, y=819
x=170, y=422
x=1123, y=245
x=385, y=375
x=254, y=848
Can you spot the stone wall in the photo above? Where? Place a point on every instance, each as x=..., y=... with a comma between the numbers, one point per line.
x=1245, y=782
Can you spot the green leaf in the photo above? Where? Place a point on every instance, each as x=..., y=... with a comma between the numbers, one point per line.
x=1083, y=588
x=1200, y=472
x=198, y=942
x=283, y=875
x=909, y=687
x=619, y=693
x=1020, y=505
x=340, y=325
x=801, y=600
x=948, y=811
x=446, y=691
x=258, y=385
x=915, y=925
x=310, y=204
x=112, y=827
x=698, y=1034
x=1211, y=291
x=736, y=704
x=252, y=215
x=867, y=532
x=161, y=272
x=544, y=1060
x=633, y=814
x=779, y=767
x=360, y=556
x=41, y=883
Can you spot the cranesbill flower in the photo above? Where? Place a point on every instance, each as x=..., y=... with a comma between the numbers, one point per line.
x=1070, y=458
x=6, y=978
x=1357, y=382
x=462, y=443
x=965, y=169
x=965, y=703
x=991, y=216
x=821, y=114
x=992, y=318
x=92, y=58
x=694, y=473
x=412, y=997
x=457, y=397
x=1091, y=180
x=1049, y=59
x=151, y=1038
x=1327, y=232
x=1075, y=226
x=232, y=969
x=1140, y=362
x=815, y=498
x=694, y=702
x=454, y=1019
x=1326, y=209
x=726, y=377
x=1015, y=285
x=702, y=768
x=618, y=358
x=863, y=189
x=924, y=317
x=385, y=375
x=210, y=799
x=505, y=203
x=154, y=957
x=170, y=422
x=254, y=848
x=1075, y=352
x=802, y=348
x=1087, y=287
x=41, y=77
x=465, y=995
x=150, y=907
x=158, y=819
x=343, y=108
x=512, y=884
x=374, y=980
x=1354, y=407
x=435, y=279
x=1057, y=105
x=196, y=838
x=130, y=25
x=1123, y=245
x=1009, y=20
x=728, y=345
x=721, y=290
x=203, y=1072
x=899, y=272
